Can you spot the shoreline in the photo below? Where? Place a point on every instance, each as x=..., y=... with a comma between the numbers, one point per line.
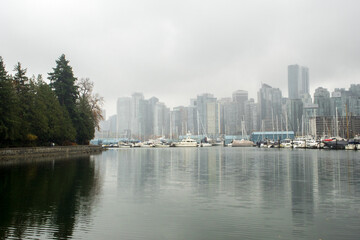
x=56, y=152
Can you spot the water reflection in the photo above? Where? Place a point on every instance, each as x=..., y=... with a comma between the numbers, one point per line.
x=185, y=193
x=290, y=193
x=46, y=199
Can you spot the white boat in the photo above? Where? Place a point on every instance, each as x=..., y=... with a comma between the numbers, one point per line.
x=299, y=144
x=242, y=143
x=350, y=146
x=186, y=142
x=286, y=143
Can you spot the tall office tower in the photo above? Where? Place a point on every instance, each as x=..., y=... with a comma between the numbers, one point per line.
x=294, y=112
x=202, y=103
x=250, y=116
x=123, y=110
x=138, y=115
x=239, y=98
x=298, y=81
x=269, y=108
x=226, y=116
x=213, y=119
x=322, y=99
x=178, y=122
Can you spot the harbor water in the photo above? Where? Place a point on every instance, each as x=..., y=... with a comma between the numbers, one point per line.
x=184, y=193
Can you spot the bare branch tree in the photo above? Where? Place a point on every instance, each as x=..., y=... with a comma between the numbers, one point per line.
x=95, y=101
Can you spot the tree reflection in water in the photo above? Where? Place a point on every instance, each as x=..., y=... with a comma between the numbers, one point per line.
x=47, y=198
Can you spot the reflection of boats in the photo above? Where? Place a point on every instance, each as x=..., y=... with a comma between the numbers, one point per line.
x=205, y=144
x=242, y=143
x=186, y=142
x=161, y=145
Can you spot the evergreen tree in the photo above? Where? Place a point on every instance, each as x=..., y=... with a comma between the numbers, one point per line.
x=9, y=109
x=85, y=125
x=38, y=112
x=20, y=78
x=26, y=101
x=59, y=127
x=62, y=80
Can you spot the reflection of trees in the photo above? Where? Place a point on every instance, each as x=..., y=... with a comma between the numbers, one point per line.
x=47, y=194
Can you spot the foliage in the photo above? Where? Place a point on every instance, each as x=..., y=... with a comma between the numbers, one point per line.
x=95, y=100
x=62, y=80
x=9, y=109
x=33, y=112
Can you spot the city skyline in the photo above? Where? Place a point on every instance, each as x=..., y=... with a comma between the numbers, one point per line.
x=176, y=50
x=323, y=114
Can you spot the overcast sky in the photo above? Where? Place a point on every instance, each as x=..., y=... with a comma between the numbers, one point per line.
x=177, y=49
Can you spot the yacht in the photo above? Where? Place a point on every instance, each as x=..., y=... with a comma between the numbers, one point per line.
x=186, y=142
x=286, y=143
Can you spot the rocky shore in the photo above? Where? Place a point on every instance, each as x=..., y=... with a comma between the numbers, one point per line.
x=47, y=152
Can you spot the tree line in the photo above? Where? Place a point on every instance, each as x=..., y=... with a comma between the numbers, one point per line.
x=35, y=113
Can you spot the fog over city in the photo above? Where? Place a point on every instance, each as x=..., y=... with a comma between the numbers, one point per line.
x=175, y=50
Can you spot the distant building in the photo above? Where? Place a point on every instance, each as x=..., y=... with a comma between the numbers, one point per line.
x=269, y=108
x=239, y=99
x=202, y=110
x=123, y=110
x=322, y=99
x=298, y=81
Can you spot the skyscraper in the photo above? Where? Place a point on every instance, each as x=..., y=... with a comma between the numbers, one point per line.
x=269, y=108
x=298, y=81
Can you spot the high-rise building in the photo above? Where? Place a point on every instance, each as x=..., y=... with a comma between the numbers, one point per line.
x=250, y=116
x=269, y=108
x=201, y=103
x=298, y=81
x=322, y=99
x=123, y=110
x=239, y=99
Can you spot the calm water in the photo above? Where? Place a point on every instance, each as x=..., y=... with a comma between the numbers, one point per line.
x=184, y=193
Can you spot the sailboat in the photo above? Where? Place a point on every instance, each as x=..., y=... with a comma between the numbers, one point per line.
x=243, y=142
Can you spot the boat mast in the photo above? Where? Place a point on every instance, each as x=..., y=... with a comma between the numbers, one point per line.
x=347, y=123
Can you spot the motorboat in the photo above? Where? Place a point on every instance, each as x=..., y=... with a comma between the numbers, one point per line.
x=286, y=143
x=335, y=143
x=186, y=142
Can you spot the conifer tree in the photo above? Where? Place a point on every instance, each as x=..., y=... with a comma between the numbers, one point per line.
x=62, y=80
x=59, y=127
x=26, y=101
x=9, y=109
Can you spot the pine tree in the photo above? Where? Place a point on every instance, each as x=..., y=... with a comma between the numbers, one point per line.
x=59, y=127
x=62, y=80
x=20, y=78
x=26, y=100
x=9, y=109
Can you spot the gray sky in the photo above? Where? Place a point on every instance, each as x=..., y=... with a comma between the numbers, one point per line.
x=175, y=50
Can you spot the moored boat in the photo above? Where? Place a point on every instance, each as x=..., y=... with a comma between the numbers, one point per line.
x=186, y=142
x=242, y=143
